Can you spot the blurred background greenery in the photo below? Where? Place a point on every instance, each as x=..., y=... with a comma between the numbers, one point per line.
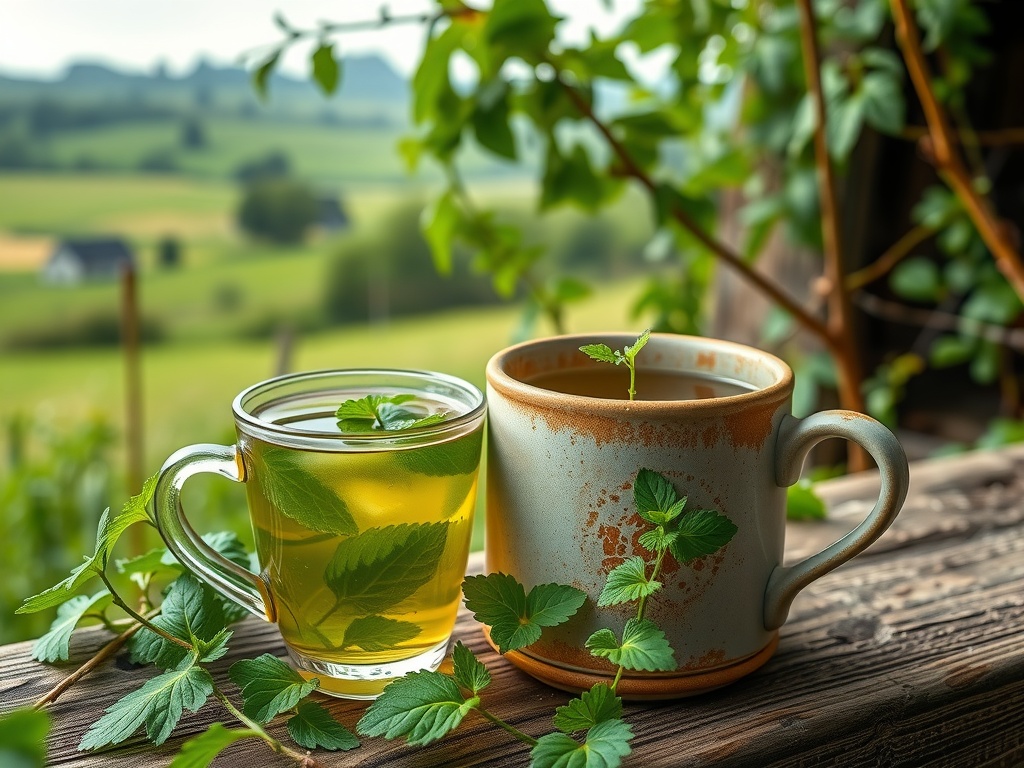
x=287, y=233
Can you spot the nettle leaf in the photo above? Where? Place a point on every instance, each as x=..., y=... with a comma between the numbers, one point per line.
x=701, y=532
x=598, y=705
x=326, y=68
x=158, y=705
x=109, y=530
x=199, y=752
x=269, y=686
x=884, y=107
x=657, y=539
x=192, y=612
x=521, y=28
x=23, y=735
x=628, y=582
x=55, y=644
x=633, y=349
x=654, y=493
x=378, y=633
x=514, y=617
x=470, y=673
x=601, y=352
x=381, y=567
x=440, y=223
x=802, y=503
x=313, y=727
x=301, y=495
x=460, y=456
x=644, y=647
x=422, y=707
x=490, y=119
x=605, y=746
x=262, y=74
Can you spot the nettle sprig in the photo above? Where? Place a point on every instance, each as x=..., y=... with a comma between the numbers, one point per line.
x=425, y=706
x=382, y=413
x=627, y=355
x=186, y=631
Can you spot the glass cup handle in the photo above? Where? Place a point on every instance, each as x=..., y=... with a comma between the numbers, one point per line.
x=796, y=437
x=231, y=580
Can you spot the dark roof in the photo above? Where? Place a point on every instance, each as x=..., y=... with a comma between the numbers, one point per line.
x=99, y=253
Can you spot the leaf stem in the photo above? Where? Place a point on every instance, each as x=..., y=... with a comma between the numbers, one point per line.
x=258, y=730
x=642, y=606
x=524, y=737
x=632, y=378
x=139, y=618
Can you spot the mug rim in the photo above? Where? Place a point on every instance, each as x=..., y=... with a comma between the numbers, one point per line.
x=288, y=436
x=509, y=386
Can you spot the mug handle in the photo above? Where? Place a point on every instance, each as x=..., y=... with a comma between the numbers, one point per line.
x=796, y=437
x=231, y=580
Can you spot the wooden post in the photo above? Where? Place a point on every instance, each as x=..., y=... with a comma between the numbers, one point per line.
x=130, y=342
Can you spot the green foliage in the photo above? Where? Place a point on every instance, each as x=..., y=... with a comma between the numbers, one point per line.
x=313, y=728
x=469, y=673
x=378, y=633
x=595, y=706
x=802, y=503
x=421, y=707
x=199, y=751
x=269, y=686
x=516, y=618
x=643, y=647
x=627, y=583
x=604, y=354
x=277, y=209
x=302, y=496
x=605, y=746
x=55, y=644
x=382, y=412
x=23, y=738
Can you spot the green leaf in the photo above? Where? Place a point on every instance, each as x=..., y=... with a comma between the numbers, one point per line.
x=884, y=107
x=431, y=80
x=158, y=704
x=376, y=570
x=23, y=735
x=658, y=539
x=490, y=119
x=701, y=532
x=601, y=352
x=633, y=349
x=313, y=727
x=440, y=224
x=571, y=179
x=469, y=672
x=643, y=647
x=191, y=611
x=301, y=495
x=460, y=456
x=521, y=28
x=597, y=705
x=378, y=633
x=802, y=503
x=109, y=530
x=605, y=746
x=916, y=278
x=199, y=751
x=950, y=350
x=845, y=120
x=326, y=69
x=269, y=686
x=262, y=74
x=627, y=582
x=364, y=414
x=514, y=617
x=55, y=644
x=655, y=497
x=422, y=707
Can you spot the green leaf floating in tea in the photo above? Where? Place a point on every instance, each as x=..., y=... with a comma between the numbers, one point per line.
x=376, y=570
x=378, y=633
x=454, y=457
x=302, y=496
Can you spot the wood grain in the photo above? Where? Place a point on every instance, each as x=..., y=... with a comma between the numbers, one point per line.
x=911, y=655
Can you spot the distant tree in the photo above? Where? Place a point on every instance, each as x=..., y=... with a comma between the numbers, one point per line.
x=168, y=252
x=193, y=135
x=278, y=209
x=15, y=153
x=159, y=161
x=274, y=165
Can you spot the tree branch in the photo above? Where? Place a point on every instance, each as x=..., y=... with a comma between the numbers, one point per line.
x=947, y=160
x=840, y=324
x=719, y=249
x=888, y=260
x=1000, y=137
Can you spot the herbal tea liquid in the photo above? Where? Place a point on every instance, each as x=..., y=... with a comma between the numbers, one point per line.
x=365, y=549
x=609, y=382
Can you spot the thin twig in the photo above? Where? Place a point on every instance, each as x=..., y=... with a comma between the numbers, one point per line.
x=946, y=158
x=1012, y=338
x=524, y=737
x=888, y=260
x=999, y=137
x=840, y=318
x=142, y=619
x=304, y=759
x=718, y=248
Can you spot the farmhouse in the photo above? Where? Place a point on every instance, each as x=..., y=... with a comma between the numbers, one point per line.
x=73, y=261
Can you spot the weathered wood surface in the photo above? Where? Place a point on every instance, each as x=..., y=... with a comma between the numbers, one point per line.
x=911, y=655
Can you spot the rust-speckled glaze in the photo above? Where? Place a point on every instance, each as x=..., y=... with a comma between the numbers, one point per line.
x=560, y=502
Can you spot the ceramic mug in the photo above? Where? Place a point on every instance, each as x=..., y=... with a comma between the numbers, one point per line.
x=362, y=536
x=564, y=447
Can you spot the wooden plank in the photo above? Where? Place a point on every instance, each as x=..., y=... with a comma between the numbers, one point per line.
x=912, y=655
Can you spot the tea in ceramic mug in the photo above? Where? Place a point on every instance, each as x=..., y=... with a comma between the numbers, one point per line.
x=362, y=533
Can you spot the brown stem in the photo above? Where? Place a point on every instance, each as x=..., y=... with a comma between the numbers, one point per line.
x=1000, y=137
x=888, y=260
x=719, y=249
x=947, y=160
x=840, y=323
x=102, y=655
x=1012, y=338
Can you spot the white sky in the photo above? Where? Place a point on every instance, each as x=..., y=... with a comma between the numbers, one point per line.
x=40, y=37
